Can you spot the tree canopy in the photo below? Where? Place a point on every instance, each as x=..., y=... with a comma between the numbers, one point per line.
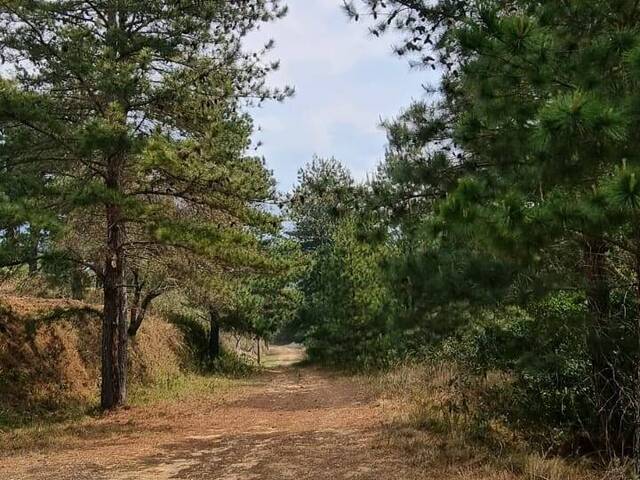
x=133, y=122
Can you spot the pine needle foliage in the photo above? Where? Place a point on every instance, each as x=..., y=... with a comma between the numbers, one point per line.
x=135, y=124
x=533, y=129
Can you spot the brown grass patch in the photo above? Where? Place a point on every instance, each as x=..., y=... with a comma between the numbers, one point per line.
x=434, y=415
x=50, y=357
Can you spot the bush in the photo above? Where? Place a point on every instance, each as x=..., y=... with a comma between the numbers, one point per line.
x=196, y=336
x=543, y=350
x=230, y=364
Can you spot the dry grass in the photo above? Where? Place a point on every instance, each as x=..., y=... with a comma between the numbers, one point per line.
x=50, y=358
x=433, y=416
x=180, y=388
x=50, y=367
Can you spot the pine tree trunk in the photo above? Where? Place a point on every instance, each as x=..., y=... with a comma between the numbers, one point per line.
x=608, y=392
x=136, y=315
x=214, y=335
x=114, y=324
x=77, y=284
x=259, y=353
x=139, y=312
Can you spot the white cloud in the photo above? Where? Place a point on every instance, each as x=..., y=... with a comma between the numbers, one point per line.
x=318, y=35
x=345, y=80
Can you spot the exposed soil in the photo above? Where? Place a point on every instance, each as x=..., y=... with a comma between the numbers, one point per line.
x=291, y=423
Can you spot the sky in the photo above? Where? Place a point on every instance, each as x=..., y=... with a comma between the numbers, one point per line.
x=346, y=82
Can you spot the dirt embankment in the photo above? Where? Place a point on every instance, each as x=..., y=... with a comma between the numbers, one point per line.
x=50, y=353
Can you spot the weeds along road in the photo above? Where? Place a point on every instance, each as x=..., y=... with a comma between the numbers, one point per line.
x=289, y=423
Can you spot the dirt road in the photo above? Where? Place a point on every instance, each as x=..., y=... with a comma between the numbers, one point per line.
x=291, y=423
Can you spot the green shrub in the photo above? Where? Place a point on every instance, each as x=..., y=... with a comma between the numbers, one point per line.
x=543, y=350
x=196, y=337
x=229, y=364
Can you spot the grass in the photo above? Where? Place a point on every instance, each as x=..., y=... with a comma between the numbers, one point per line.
x=47, y=435
x=180, y=388
x=14, y=419
x=433, y=416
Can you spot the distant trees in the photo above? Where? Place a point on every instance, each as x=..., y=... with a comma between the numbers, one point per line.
x=325, y=193
x=254, y=298
x=344, y=308
x=348, y=309
x=122, y=123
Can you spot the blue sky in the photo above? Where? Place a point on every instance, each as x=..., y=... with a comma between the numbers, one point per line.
x=346, y=82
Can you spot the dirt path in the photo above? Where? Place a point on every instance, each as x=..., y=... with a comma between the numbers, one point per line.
x=291, y=423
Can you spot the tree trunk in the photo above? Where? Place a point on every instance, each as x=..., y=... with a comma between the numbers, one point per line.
x=139, y=312
x=608, y=392
x=136, y=313
x=114, y=324
x=77, y=284
x=259, y=355
x=214, y=335
x=115, y=340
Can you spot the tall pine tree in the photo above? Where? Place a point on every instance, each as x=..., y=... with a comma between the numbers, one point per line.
x=132, y=114
x=539, y=100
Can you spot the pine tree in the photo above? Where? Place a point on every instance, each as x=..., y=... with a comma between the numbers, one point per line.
x=132, y=110
x=324, y=193
x=344, y=311
x=540, y=102
x=26, y=224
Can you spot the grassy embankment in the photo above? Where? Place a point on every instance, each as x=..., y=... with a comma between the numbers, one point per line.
x=50, y=370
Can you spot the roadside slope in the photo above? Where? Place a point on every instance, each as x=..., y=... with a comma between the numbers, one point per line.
x=50, y=356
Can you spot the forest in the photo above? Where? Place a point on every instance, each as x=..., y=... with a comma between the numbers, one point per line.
x=477, y=294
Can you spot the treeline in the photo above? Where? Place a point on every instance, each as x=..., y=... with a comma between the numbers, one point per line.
x=125, y=166
x=502, y=231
